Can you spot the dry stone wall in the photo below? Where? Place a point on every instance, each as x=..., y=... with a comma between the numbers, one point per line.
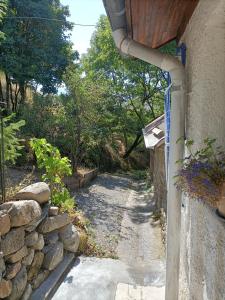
x=34, y=238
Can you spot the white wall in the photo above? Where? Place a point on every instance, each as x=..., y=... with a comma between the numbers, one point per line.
x=203, y=234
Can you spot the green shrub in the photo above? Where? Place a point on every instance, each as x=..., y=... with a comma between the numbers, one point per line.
x=139, y=174
x=63, y=199
x=56, y=168
x=12, y=144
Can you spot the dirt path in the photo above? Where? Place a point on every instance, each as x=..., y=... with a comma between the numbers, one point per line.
x=104, y=204
x=140, y=245
x=118, y=208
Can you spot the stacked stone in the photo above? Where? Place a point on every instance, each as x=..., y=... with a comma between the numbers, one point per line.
x=33, y=240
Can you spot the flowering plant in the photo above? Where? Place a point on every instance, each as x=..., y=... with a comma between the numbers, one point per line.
x=203, y=172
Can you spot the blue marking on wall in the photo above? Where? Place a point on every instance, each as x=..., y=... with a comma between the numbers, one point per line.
x=180, y=51
x=167, y=121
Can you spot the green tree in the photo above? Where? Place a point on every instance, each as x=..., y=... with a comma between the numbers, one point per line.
x=36, y=50
x=135, y=88
x=80, y=121
x=108, y=100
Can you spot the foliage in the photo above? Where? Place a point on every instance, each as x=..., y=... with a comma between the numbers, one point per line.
x=56, y=118
x=134, y=89
x=43, y=118
x=109, y=99
x=56, y=168
x=83, y=118
x=12, y=144
x=139, y=174
x=36, y=50
x=3, y=7
x=203, y=172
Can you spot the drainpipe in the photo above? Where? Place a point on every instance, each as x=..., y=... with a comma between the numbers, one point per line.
x=176, y=70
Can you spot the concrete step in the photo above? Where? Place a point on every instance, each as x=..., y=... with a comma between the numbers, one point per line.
x=49, y=286
x=138, y=292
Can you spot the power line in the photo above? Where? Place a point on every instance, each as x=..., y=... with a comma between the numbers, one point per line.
x=49, y=19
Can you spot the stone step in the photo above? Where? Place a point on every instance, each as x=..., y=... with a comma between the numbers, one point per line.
x=137, y=292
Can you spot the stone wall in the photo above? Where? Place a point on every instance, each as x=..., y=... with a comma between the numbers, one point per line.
x=80, y=180
x=34, y=238
x=203, y=234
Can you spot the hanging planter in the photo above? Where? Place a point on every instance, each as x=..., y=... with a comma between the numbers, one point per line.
x=202, y=175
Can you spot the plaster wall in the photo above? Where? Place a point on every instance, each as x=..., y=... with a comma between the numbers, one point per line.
x=202, y=233
x=159, y=176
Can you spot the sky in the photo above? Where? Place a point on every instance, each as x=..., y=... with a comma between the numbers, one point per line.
x=84, y=12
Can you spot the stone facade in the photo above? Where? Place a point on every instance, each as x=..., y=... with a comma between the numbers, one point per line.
x=203, y=234
x=32, y=241
x=154, y=138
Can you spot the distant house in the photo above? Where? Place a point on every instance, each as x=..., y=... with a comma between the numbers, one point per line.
x=154, y=138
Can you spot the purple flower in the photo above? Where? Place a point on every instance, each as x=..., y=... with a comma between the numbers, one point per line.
x=207, y=182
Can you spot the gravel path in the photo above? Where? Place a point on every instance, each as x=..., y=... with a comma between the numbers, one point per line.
x=104, y=203
x=120, y=212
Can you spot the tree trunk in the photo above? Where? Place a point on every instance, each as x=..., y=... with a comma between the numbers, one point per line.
x=17, y=89
x=1, y=93
x=136, y=142
x=11, y=97
x=7, y=97
x=22, y=92
x=73, y=162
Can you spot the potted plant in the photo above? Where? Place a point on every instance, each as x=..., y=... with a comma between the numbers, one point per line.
x=202, y=175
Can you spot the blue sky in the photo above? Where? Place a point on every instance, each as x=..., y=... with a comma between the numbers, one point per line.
x=84, y=12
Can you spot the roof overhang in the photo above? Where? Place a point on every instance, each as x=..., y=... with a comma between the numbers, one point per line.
x=154, y=133
x=152, y=23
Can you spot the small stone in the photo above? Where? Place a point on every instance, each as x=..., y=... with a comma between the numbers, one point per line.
x=39, y=192
x=12, y=270
x=36, y=265
x=34, y=224
x=5, y=288
x=51, y=237
x=27, y=261
x=4, y=222
x=53, y=211
x=53, y=257
x=12, y=241
x=17, y=256
x=40, y=243
x=53, y=223
x=27, y=293
x=22, y=212
x=47, y=248
x=2, y=265
x=18, y=285
x=70, y=237
x=39, y=279
x=31, y=239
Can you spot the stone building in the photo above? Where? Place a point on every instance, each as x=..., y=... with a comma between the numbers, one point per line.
x=154, y=138
x=196, y=235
